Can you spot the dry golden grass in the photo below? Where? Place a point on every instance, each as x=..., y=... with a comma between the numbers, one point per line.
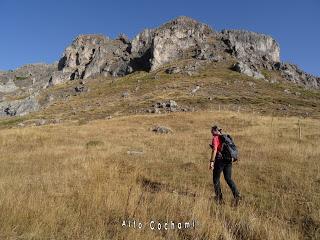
x=72, y=181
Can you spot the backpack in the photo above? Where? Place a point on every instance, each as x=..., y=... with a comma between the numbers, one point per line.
x=229, y=150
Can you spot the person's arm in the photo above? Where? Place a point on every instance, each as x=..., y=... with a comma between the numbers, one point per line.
x=213, y=157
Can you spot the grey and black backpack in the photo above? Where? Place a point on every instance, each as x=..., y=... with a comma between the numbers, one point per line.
x=229, y=149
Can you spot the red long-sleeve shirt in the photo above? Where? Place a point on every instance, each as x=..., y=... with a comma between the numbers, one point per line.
x=216, y=143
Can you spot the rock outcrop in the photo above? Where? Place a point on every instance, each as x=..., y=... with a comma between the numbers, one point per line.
x=19, y=107
x=256, y=48
x=92, y=55
x=183, y=37
x=173, y=40
x=294, y=74
x=23, y=84
x=31, y=77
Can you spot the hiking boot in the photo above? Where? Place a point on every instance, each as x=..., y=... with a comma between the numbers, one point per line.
x=237, y=201
x=219, y=200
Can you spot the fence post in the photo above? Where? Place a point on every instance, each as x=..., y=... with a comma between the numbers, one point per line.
x=300, y=132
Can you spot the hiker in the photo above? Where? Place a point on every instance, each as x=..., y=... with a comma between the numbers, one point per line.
x=221, y=161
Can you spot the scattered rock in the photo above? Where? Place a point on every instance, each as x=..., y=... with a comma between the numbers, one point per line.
x=125, y=95
x=161, y=130
x=171, y=104
x=134, y=152
x=81, y=88
x=287, y=91
x=173, y=70
x=273, y=81
x=194, y=90
x=189, y=69
x=137, y=88
x=40, y=122
x=21, y=125
x=56, y=121
x=251, y=84
x=155, y=110
x=167, y=106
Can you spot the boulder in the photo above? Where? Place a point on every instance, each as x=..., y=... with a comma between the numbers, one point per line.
x=161, y=129
x=125, y=95
x=195, y=89
x=250, y=71
x=58, y=78
x=81, y=88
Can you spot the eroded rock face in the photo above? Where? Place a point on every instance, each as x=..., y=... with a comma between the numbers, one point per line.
x=141, y=49
x=183, y=37
x=292, y=73
x=92, y=55
x=8, y=87
x=31, y=77
x=173, y=39
x=23, y=84
x=19, y=107
x=251, y=47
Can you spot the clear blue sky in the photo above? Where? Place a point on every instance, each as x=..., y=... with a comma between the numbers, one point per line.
x=39, y=30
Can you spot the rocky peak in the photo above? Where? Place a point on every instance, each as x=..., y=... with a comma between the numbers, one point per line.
x=187, y=23
x=180, y=38
x=174, y=39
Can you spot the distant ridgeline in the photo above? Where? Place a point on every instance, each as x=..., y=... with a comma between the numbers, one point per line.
x=90, y=56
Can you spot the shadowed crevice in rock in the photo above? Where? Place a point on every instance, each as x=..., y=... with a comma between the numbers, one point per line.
x=142, y=63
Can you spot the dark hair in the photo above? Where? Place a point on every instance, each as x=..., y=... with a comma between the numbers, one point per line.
x=216, y=128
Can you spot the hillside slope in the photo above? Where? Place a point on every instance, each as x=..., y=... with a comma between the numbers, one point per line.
x=72, y=181
x=218, y=88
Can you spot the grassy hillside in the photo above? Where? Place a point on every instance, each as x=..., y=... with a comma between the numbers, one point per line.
x=70, y=171
x=220, y=88
x=77, y=181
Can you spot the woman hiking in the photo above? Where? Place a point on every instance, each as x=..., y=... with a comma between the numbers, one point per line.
x=220, y=164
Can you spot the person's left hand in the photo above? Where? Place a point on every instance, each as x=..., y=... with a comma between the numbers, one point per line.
x=210, y=165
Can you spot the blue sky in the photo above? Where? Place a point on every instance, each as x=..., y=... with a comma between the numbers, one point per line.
x=39, y=30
